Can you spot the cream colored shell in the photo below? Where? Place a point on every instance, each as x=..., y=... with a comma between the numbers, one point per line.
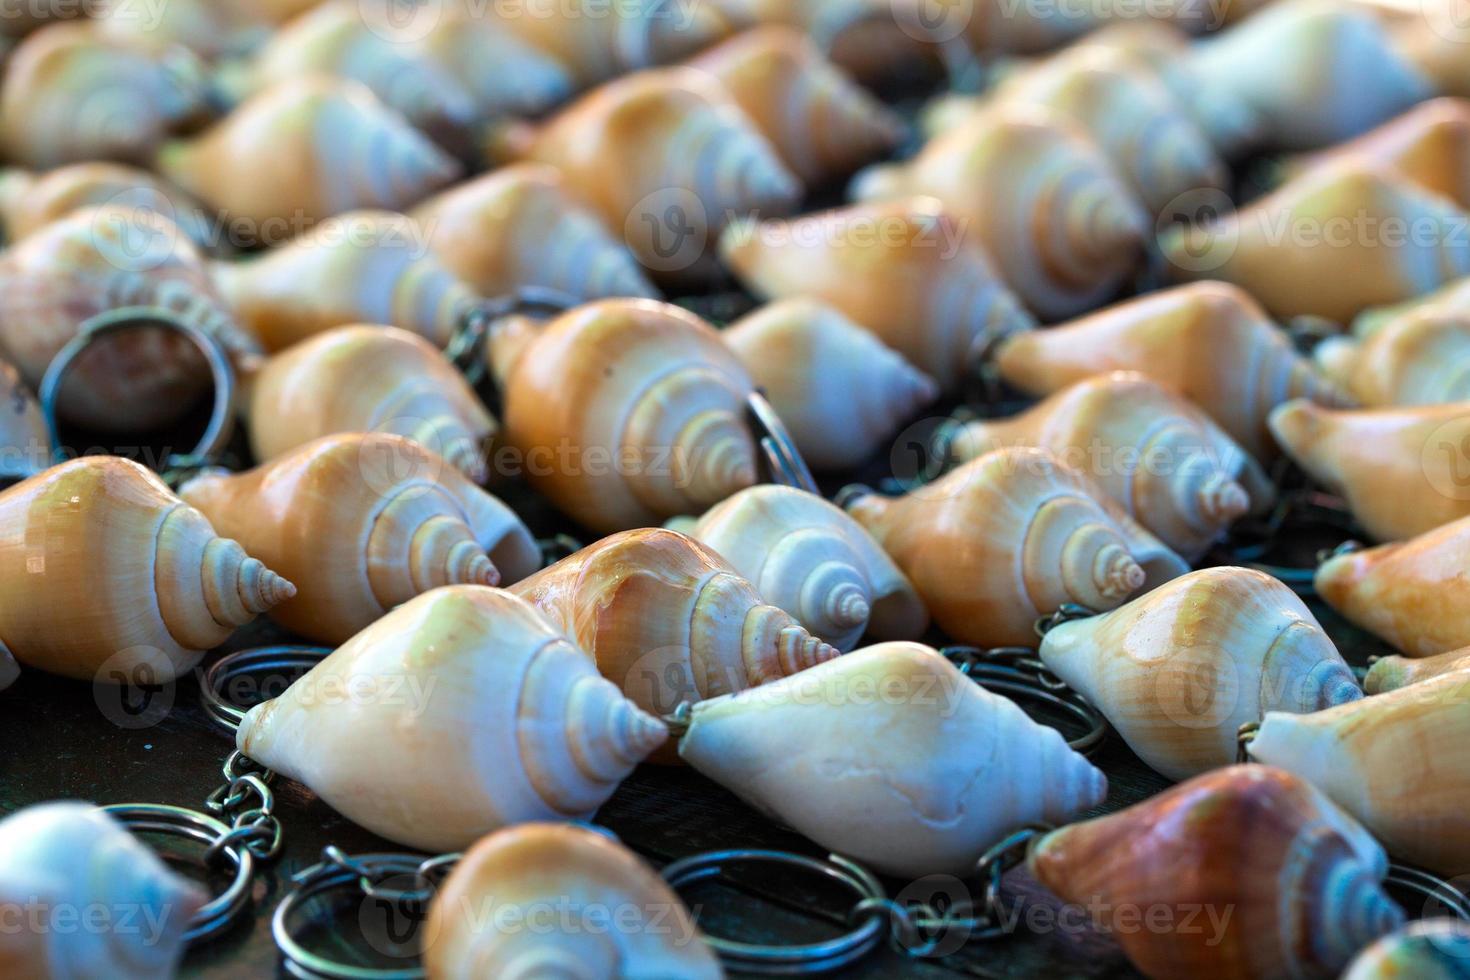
x=1392, y=673
x=1421, y=357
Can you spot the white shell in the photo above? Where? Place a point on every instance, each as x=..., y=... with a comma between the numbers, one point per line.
x=1419, y=358
x=954, y=769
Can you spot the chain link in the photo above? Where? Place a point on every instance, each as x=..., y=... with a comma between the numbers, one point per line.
x=245, y=801
x=372, y=877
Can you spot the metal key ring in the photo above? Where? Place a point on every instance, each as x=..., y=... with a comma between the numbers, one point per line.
x=465, y=349
x=221, y=416
x=243, y=663
x=782, y=457
x=1017, y=683
x=1420, y=883
x=817, y=957
x=175, y=821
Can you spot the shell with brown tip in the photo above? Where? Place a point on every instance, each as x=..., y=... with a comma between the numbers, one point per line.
x=363, y=522
x=30, y=201
x=955, y=769
x=587, y=876
x=1429, y=144
x=840, y=392
x=1286, y=883
x=1433, y=949
x=1010, y=537
x=1419, y=358
x=25, y=441
x=109, y=574
x=470, y=712
x=1392, y=673
x=1179, y=670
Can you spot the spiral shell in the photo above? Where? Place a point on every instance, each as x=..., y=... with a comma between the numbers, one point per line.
x=25, y=442
x=1210, y=342
x=368, y=379
x=955, y=769
x=30, y=201
x=1160, y=458
x=1179, y=670
x=840, y=392
x=907, y=270
x=212, y=29
x=70, y=862
x=1392, y=673
x=1453, y=297
x=303, y=150
x=628, y=412
x=823, y=124
x=1414, y=594
x=1010, y=537
x=1419, y=358
x=108, y=572
x=1429, y=144
x=71, y=94
x=1063, y=228
x=96, y=260
x=359, y=267
x=470, y=712
x=1434, y=949
x=1282, y=882
x=1393, y=761
x=503, y=74
x=875, y=40
x=520, y=226
x=591, y=880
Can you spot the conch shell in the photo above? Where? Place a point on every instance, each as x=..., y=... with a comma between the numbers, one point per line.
x=96, y=260
x=840, y=392
x=1210, y=342
x=665, y=157
x=30, y=201
x=1284, y=883
x=1429, y=144
x=585, y=876
x=1400, y=469
x=954, y=770
x=1330, y=243
x=626, y=412
x=1453, y=297
x=470, y=712
x=815, y=562
x=1418, y=358
x=503, y=74
x=1434, y=949
x=1394, y=761
x=1414, y=594
x=1010, y=537
x=368, y=379
x=25, y=442
x=873, y=39
x=363, y=522
x=1179, y=670
x=359, y=267
x=907, y=270
x=823, y=124
x=519, y=226
x=303, y=150
x=71, y=94
x=668, y=620
x=1063, y=228
x=108, y=573
x=71, y=858
x=1392, y=673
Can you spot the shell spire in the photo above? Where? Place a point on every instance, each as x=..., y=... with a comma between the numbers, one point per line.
x=1392, y=673
x=504, y=75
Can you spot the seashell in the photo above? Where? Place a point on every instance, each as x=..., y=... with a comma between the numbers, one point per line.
x=519, y=226
x=1010, y=537
x=138, y=577
x=1453, y=297
x=1433, y=949
x=665, y=157
x=23, y=18
x=668, y=620
x=1209, y=341
x=584, y=875
x=875, y=40
x=1156, y=455
x=94, y=261
x=359, y=267
x=342, y=39
x=809, y=558
x=368, y=379
x=626, y=413
x=1334, y=72
x=25, y=441
x=1065, y=231
x=30, y=201
x=364, y=522
x=69, y=859
x=475, y=713
x=955, y=770
x=1179, y=670
x=1131, y=116
x=823, y=124
x=1393, y=761
x=1392, y=673
x=840, y=392
x=503, y=74
x=303, y=150
x=1413, y=594
x=1301, y=880
x=72, y=94
x=212, y=29
x=1429, y=144
x=1418, y=358
x=1431, y=37
x=1400, y=469
x=907, y=270
x=1325, y=244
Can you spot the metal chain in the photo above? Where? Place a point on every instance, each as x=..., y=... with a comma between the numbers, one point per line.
x=372, y=877
x=246, y=803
